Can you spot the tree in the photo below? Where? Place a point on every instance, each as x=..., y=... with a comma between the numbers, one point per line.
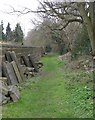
x=2, y=33
x=8, y=32
x=18, y=33
x=88, y=16
x=69, y=12
x=47, y=36
x=81, y=44
x=83, y=12
x=40, y=35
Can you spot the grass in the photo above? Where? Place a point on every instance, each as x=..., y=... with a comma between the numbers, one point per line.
x=54, y=93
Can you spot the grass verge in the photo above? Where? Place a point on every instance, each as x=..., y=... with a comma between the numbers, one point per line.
x=54, y=93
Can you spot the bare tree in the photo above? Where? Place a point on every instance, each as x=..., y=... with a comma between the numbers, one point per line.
x=69, y=12
x=74, y=12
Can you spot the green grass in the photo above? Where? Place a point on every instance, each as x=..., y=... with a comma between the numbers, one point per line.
x=54, y=93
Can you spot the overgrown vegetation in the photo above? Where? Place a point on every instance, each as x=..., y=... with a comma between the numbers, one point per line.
x=56, y=92
x=82, y=44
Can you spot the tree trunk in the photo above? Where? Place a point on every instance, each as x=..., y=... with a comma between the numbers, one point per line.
x=89, y=23
x=92, y=37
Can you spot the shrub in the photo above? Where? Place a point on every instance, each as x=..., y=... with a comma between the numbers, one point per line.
x=82, y=44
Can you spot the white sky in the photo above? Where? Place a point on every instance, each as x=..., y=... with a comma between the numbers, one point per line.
x=24, y=20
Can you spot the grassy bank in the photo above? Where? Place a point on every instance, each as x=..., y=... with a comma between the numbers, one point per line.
x=56, y=92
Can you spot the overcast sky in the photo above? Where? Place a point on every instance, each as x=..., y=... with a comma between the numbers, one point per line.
x=24, y=20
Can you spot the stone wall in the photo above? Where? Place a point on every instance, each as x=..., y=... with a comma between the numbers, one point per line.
x=36, y=52
x=17, y=64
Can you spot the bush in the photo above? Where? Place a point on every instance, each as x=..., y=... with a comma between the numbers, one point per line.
x=62, y=49
x=48, y=48
x=82, y=44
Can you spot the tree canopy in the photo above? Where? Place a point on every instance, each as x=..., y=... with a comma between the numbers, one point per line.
x=66, y=13
x=15, y=35
x=8, y=32
x=18, y=33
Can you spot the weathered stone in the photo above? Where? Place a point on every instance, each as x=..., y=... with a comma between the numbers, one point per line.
x=16, y=71
x=7, y=56
x=3, y=79
x=32, y=63
x=12, y=80
x=25, y=60
x=3, y=88
x=6, y=73
x=14, y=58
x=0, y=69
x=14, y=93
x=3, y=99
x=30, y=69
x=39, y=64
x=29, y=72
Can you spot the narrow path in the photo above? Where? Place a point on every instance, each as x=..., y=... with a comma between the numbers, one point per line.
x=46, y=95
x=43, y=96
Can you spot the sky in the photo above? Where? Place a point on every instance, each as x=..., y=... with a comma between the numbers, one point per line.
x=24, y=20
